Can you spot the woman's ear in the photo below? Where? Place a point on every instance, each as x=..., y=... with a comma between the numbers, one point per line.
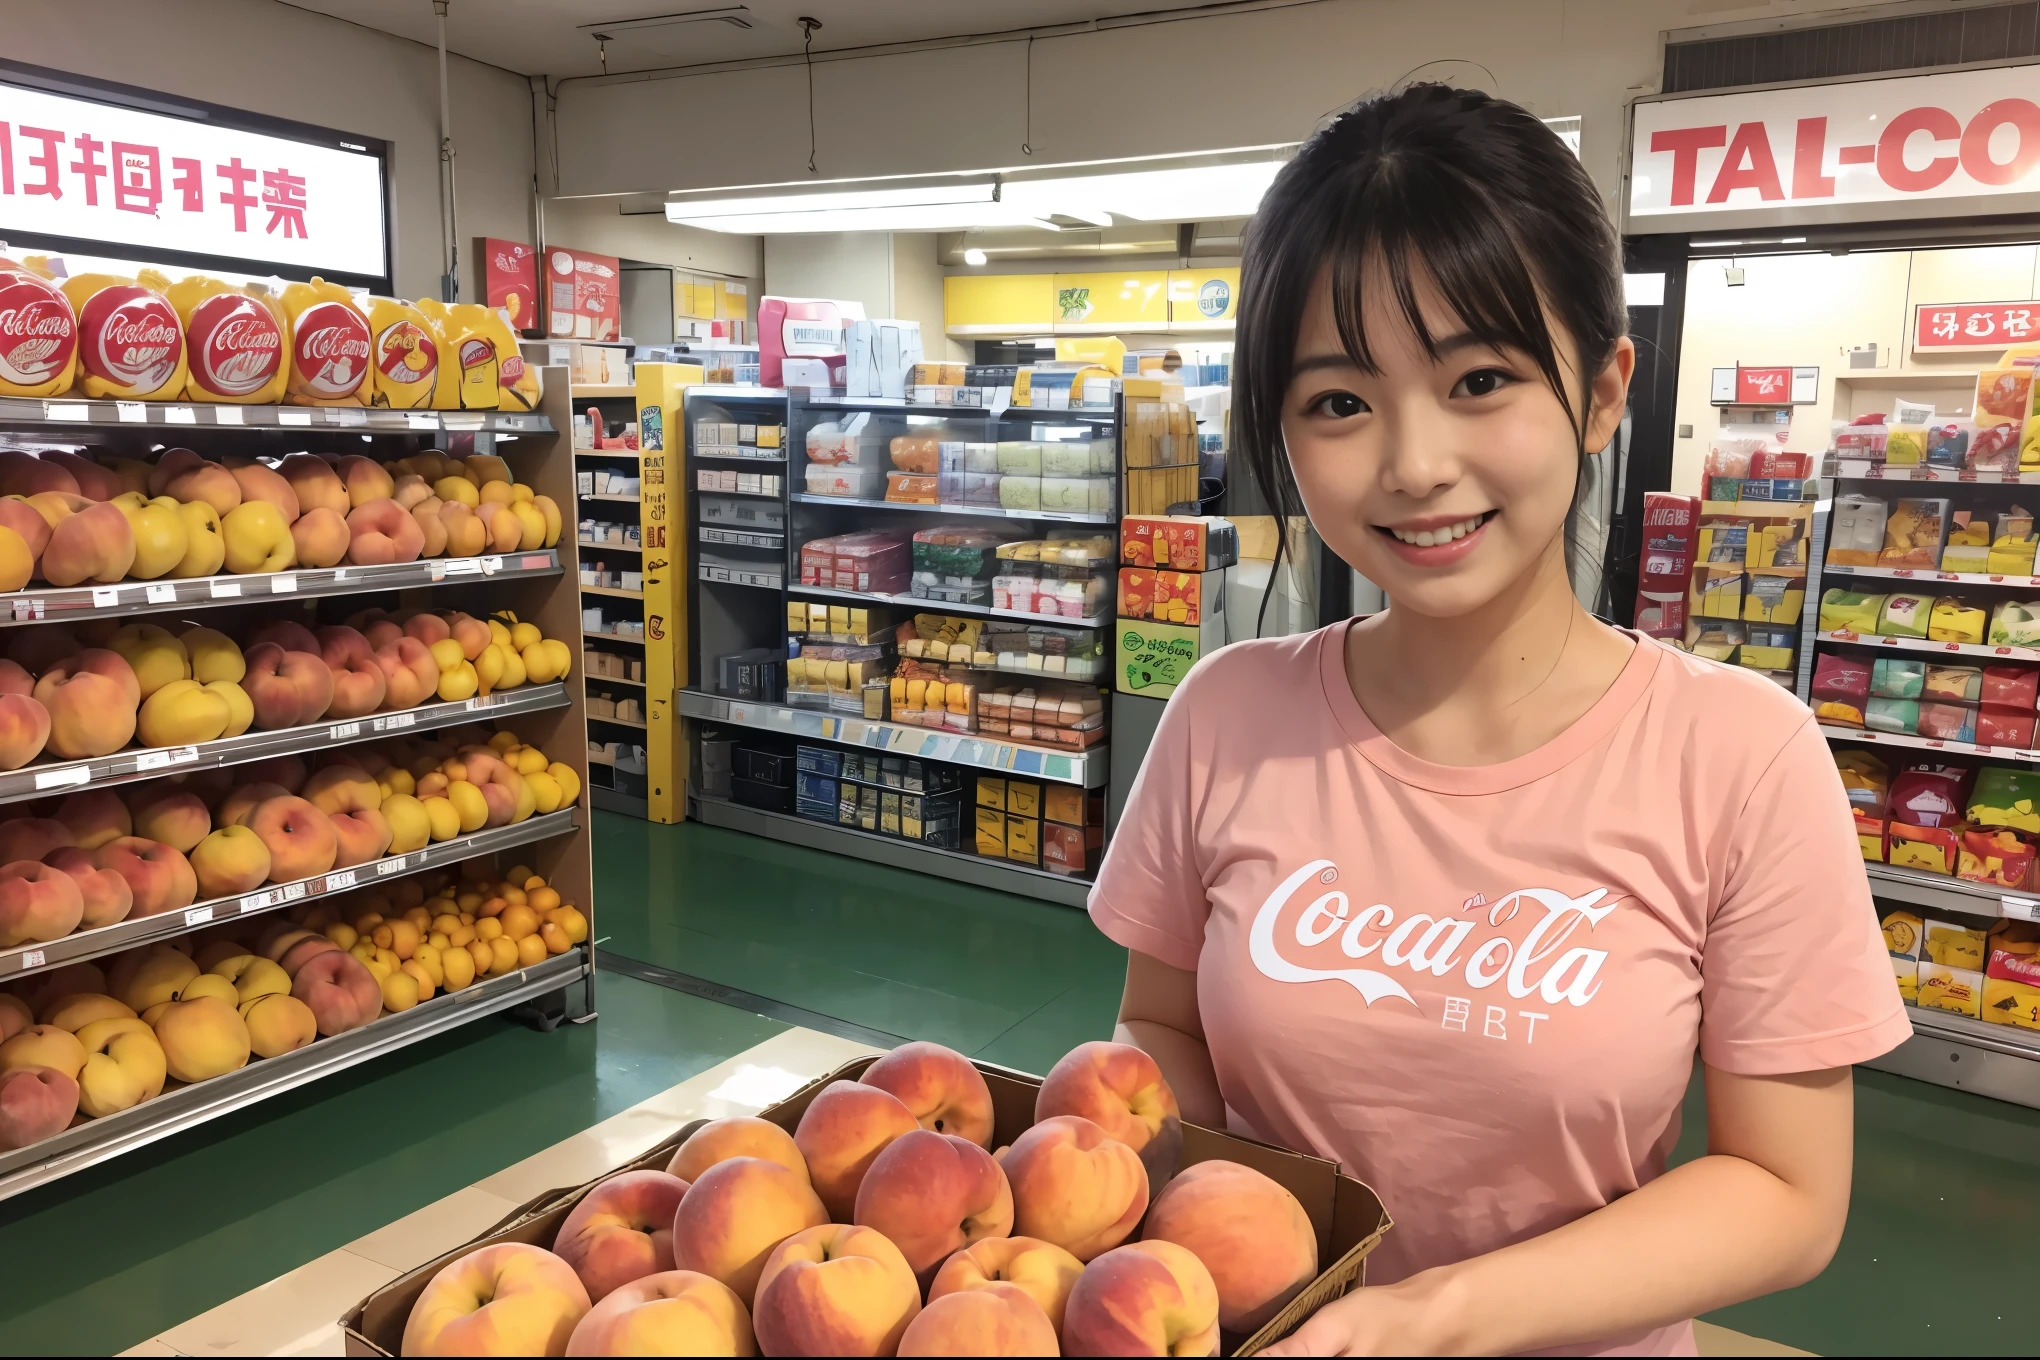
x=1610, y=395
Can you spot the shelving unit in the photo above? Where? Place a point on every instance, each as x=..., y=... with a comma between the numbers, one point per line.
x=617, y=403
x=536, y=585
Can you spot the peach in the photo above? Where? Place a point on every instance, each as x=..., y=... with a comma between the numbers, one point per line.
x=94, y=817
x=15, y=679
x=939, y=1087
x=320, y=538
x=1045, y=1271
x=383, y=531
x=25, y=520
x=24, y=729
x=509, y=1299
x=300, y=838
x=96, y=544
x=288, y=689
x=37, y=904
x=1120, y=1089
x=431, y=527
x=315, y=484
x=17, y=563
x=278, y=1023
x=237, y=807
x=467, y=535
x=162, y=538
x=205, y=549
x=105, y=894
x=341, y=788
x=287, y=770
x=622, y=1230
x=156, y=655
x=160, y=878
x=43, y=1046
x=92, y=712
x=359, y=685
x=737, y=1136
x=410, y=490
x=15, y=1016
x=736, y=1214
x=23, y=474
x=259, y=483
x=470, y=632
x=360, y=836
x=35, y=1103
x=186, y=713
x=292, y=960
x=32, y=838
x=506, y=531
x=142, y=978
x=251, y=975
x=366, y=480
x=202, y=1038
x=412, y=674
x=178, y=819
x=933, y=1194
x=230, y=861
x=1145, y=1298
x=80, y=1009
x=1250, y=1233
x=1075, y=1186
x=57, y=506
x=171, y=464
x=124, y=1066
x=340, y=990
x=841, y=1133
x=42, y=989
x=427, y=628
x=676, y=1312
x=95, y=483
x=998, y=1319
x=288, y=634
x=207, y=482
x=258, y=539
x=380, y=631
x=835, y=1290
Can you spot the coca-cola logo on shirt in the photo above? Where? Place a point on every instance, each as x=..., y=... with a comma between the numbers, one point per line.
x=475, y=352
x=405, y=353
x=132, y=338
x=38, y=335
x=330, y=349
x=236, y=345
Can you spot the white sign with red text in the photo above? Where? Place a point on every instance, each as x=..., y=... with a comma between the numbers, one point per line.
x=1964, y=141
x=150, y=182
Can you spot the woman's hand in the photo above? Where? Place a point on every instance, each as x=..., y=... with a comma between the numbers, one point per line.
x=1388, y=1320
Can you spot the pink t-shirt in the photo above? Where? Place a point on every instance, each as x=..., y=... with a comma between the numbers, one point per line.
x=1481, y=989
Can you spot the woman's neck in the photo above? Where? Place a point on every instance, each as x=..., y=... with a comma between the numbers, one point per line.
x=1490, y=685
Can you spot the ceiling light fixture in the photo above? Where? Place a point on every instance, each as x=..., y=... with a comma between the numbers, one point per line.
x=974, y=257
x=736, y=16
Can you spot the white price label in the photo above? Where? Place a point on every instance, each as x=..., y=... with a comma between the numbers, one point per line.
x=395, y=864
x=347, y=415
x=339, y=574
x=421, y=420
x=65, y=778
x=105, y=597
x=180, y=415
x=292, y=891
x=198, y=916
x=2020, y=908
x=343, y=878
x=437, y=567
x=465, y=566
x=261, y=901
x=183, y=755
x=486, y=701
x=491, y=565
x=227, y=415
x=283, y=583
x=131, y=412
x=293, y=417
x=27, y=609
x=226, y=590
x=343, y=731
x=392, y=721
x=152, y=760
x=66, y=410
x=162, y=594
x=34, y=958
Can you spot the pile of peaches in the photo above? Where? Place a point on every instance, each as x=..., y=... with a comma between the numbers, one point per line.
x=884, y=1225
x=88, y=1040
x=91, y=690
x=99, y=855
x=73, y=519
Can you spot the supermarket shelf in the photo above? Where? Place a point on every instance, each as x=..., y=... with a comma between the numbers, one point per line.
x=736, y=391
x=1923, y=889
x=947, y=607
x=608, y=453
x=620, y=722
x=1922, y=574
x=1863, y=470
x=17, y=412
x=976, y=870
x=966, y=511
x=1044, y=414
x=1999, y=1061
x=1086, y=768
x=1930, y=646
x=614, y=637
x=744, y=538
x=603, y=389
x=609, y=800
x=612, y=680
x=700, y=490
x=42, y=603
x=757, y=580
x=614, y=592
x=183, y=1107
x=717, y=451
x=612, y=547
x=1969, y=748
x=127, y=766
x=92, y=944
x=1759, y=509
x=620, y=500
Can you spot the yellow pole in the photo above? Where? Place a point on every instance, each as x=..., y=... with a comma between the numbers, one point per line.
x=662, y=511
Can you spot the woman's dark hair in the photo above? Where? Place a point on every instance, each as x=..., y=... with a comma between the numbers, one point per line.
x=1468, y=190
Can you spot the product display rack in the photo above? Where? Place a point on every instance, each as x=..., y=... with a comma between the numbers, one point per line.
x=536, y=585
x=738, y=602
x=619, y=786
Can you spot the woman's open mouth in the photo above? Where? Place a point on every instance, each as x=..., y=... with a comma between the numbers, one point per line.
x=1435, y=541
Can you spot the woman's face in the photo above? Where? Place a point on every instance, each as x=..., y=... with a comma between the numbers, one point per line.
x=1443, y=482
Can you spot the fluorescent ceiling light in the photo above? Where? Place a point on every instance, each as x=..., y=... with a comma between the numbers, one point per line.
x=929, y=217
x=837, y=200
x=974, y=257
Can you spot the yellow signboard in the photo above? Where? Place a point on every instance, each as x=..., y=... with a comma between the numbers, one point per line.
x=662, y=510
x=998, y=304
x=1125, y=300
x=1203, y=296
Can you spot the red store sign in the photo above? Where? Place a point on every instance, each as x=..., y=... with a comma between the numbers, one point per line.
x=1951, y=326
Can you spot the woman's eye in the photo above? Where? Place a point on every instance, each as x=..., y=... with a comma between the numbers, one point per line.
x=1338, y=405
x=1481, y=382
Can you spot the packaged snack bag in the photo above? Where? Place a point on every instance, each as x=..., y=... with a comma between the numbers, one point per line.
x=2004, y=727
x=1849, y=611
x=235, y=340
x=1904, y=933
x=517, y=381
x=1948, y=443
x=2007, y=797
x=2014, y=688
x=1914, y=534
x=130, y=343
x=2016, y=624
x=1995, y=448
x=1996, y=857
x=404, y=350
x=1928, y=795
x=1968, y=547
x=1953, y=620
x=38, y=333
x=1953, y=684
x=1956, y=944
x=1904, y=616
x=329, y=346
x=1894, y=677
x=1906, y=446
x=1841, y=686
x=1892, y=715
x=1947, y=722
x=2011, y=990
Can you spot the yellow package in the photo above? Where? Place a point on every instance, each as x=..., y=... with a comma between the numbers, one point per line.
x=130, y=343
x=1766, y=658
x=1951, y=989
x=519, y=384
x=1774, y=599
x=38, y=332
x=405, y=349
x=1955, y=945
x=234, y=336
x=1905, y=446
x=1907, y=971
x=1850, y=611
x=1953, y=620
x=1718, y=597
x=2008, y=1001
x=446, y=377
x=481, y=366
x=1904, y=932
x=329, y=346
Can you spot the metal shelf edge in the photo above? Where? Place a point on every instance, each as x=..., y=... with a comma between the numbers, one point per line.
x=76, y=412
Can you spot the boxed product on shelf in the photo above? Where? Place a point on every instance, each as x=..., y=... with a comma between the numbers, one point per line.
x=1998, y=858
x=940, y=638
x=1153, y=658
x=1065, y=577
x=1953, y=620
x=1840, y=689
x=1944, y=988
x=760, y=515
x=2004, y=396
x=1905, y=616
x=913, y=488
x=850, y=624
x=768, y=797
x=2011, y=989
x=830, y=445
x=2012, y=544
x=849, y=481
x=1856, y=531
x=1067, y=715
x=871, y=561
x=1915, y=532
x=1769, y=598
x=1861, y=438
x=1924, y=810
x=1176, y=596
x=2015, y=623
x=958, y=555
x=837, y=677
x=755, y=674
x=1178, y=542
x=916, y=453
x=1868, y=785
x=927, y=696
x=1076, y=652
x=1665, y=574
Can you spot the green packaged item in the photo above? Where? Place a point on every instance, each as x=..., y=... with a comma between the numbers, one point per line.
x=2006, y=797
x=1892, y=715
x=2016, y=623
x=1850, y=611
x=1895, y=678
x=1905, y=616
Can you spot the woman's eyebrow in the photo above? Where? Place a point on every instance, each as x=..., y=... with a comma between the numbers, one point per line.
x=1449, y=345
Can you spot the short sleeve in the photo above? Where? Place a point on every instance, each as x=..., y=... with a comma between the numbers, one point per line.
x=1150, y=894
x=1794, y=973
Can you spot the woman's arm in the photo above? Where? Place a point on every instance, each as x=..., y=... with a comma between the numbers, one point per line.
x=1763, y=1210
x=1158, y=1013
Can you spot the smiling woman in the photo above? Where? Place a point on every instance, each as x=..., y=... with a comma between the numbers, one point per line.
x=1458, y=893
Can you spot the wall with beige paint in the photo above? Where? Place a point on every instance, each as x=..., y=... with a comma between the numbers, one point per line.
x=598, y=225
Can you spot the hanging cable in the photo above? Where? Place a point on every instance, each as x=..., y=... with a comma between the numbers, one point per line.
x=449, y=196
x=1027, y=134
x=807, y=47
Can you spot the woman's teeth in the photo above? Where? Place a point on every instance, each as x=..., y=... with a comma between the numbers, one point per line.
x=1431, y=538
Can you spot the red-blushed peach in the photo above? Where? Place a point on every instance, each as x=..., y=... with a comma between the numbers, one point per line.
x=933, y=1194
x=1120, y=1089
x=1250, y=1233
x=426, y=628
x=509, y=1299
x=315, y=484
x=300, y=838
x=288, y=688
x=736, y=1214
x=293, y=955
x=341, y=991
x=35, y=1103
x=178, y=819
x=841, y=1133
x=96, y=544
x=366, y=480
x=383, y=531
x=23, y=518
x=1145, y=1298
x=37, y=904
x=92, y=712
x=259, y=483
x=835, y=1290
x=32, y=838
x=676, y=1312
x=95, y=817
x=24, y=474
x=1045, y=1271
x=359, y=837
x=737, y=1136
x=106, y=895
x=939, y=1086
x=359, y=684
x=407, y=665
x=622, y=1230
x=288, y=634
x=998, y=1319
x=24, y=729
x=320, y=538
x=15, y=678
x=1074, y=1186
x=95, y=483
x=160, y=878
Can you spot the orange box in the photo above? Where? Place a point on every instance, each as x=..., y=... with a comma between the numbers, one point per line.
x=1162, y=541
x=1070, y=849
x=1165, y=596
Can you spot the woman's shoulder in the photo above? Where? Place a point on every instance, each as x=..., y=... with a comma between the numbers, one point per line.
x=1258, y=669
x=1711, y=699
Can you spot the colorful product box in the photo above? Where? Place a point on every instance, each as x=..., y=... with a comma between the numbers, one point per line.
x=1154, y=658
x=1168, y=596
x=1670, y=539
x=1071, y=849
x=1178, y=542
x=1943, y=988
x=2011, y=990
x=1073, y=806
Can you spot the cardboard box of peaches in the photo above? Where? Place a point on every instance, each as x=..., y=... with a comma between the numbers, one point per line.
x=867, y=1214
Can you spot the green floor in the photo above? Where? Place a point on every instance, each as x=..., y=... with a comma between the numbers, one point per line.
x=116, y=1253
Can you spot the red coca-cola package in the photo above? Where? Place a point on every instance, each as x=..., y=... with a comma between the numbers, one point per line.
x=234, y=337
x=330, y=346
x=38, y=333
x=130, y=342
